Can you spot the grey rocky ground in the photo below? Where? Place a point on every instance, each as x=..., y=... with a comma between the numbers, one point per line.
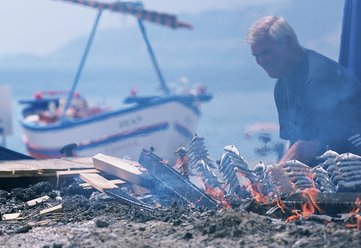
x=91, y=220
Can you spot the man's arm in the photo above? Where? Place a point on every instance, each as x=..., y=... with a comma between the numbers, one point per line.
x=303, y=151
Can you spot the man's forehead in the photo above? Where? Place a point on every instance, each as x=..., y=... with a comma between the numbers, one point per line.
x=263, y=44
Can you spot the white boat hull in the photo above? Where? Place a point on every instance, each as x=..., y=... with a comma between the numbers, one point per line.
x=161, y=127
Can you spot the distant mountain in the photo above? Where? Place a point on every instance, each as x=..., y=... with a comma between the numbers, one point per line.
x=214, y=51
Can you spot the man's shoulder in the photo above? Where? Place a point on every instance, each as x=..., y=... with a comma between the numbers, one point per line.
x=325, y=69
x=319, y=61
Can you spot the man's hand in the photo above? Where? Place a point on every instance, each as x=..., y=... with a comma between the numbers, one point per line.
x=303, y=151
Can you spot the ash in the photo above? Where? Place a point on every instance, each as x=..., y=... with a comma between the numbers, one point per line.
x=92, y=219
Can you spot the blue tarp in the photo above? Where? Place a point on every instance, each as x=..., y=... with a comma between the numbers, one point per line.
x=350, y=50
x=7, y=154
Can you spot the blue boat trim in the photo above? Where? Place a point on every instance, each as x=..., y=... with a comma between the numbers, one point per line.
x=183, y=130
x=143, y=131
x=188, y=101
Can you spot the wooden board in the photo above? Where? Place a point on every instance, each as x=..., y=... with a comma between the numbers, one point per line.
x=98, y=182
x=124, y=169
x=55, y=209
x=13, y=216
x=41, y=167
x=117, y=182
x=88, y=161
x=38, y=200
x=72, y=173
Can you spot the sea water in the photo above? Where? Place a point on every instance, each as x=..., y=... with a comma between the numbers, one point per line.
x=224, y=119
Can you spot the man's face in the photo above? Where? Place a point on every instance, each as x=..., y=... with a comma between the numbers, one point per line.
x=271, y=56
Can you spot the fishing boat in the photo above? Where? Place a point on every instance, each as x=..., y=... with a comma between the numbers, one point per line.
x=160, y=123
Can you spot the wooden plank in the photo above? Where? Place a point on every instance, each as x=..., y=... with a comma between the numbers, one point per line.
x=40, y=167
x=55, y=209
x=6, y=172
x=117, y=182
x=121, y=168
x=38, y=200
x=88, y=161
x=38, y=174
x=13, y=216
x=98, y=182
x=75, y=172
x=42, y=164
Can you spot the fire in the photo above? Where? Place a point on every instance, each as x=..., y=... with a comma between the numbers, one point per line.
x=297, y=216
x=257, y=194
x=281, y=205
x=309, y=207
x=311, y=194
x=307, y=210
x=218, y=195
x=355, y=213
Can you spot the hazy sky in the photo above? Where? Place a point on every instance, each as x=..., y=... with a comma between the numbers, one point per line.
x=42, y=26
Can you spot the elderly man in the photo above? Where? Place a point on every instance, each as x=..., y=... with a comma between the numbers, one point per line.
x=317, y=99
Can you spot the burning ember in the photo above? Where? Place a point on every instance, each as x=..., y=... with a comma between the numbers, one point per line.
x=292, y=191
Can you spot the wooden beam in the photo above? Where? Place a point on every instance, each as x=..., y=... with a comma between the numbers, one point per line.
x=27, y=175
x=13, y=216
x=41, y=167
x=55, y=209
x=38, y=200
x=117, y=182
x=71, y=173
x=98, y=182
x=124, y=169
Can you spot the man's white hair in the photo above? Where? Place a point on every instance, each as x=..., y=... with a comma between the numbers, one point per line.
x=275, y=27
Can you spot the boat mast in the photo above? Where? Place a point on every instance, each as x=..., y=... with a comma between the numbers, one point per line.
x=161, y=79
x=82, y=63
x=136, y=9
